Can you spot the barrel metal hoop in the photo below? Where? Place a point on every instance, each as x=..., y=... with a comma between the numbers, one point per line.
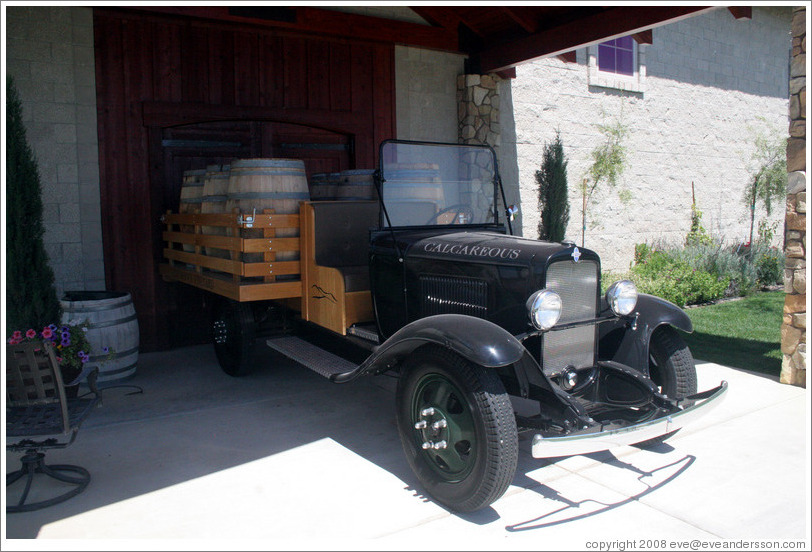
x=100, y=308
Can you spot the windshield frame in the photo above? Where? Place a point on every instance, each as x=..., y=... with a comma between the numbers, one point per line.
x=449, y=163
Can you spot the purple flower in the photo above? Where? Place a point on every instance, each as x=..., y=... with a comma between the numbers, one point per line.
x=65, y=341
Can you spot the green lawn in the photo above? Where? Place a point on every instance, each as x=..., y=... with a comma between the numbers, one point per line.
x=745, y=333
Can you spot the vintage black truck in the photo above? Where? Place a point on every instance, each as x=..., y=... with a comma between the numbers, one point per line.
x=428, y=283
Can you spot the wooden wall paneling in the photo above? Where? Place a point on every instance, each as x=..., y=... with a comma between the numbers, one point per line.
x=318, y=72
x=361, y=60
x=271, y=84
x=295, y=72
x=246, y=68
x=142, y=196
x=195, y=67
x=340, y=77
x=111, y=127
x=167, y=62
x=216, y=70
x=383, y=96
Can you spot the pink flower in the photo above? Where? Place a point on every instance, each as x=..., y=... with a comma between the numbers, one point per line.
x=17, y=335
x=30, y=334
x=47, y=333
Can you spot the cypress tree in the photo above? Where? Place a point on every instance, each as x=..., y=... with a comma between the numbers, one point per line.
x=553, y=200
x=31, y=300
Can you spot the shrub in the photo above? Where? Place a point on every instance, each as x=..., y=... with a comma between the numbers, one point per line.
x=553, y=198
x=769, y=264
x=664, y=274
x=31, y=300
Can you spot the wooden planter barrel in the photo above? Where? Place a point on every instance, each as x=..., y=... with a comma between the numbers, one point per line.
x=112, y=323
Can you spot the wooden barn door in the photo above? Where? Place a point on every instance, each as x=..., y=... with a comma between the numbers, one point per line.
x=176, y=93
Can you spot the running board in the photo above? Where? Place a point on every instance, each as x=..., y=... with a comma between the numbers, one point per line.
x=310, y=356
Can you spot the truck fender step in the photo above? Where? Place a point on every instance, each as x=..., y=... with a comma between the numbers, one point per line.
x=311, y=356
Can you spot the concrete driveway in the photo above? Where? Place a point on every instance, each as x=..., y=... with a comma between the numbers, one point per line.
x=284, y=459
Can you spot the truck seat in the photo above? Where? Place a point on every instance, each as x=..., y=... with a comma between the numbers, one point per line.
x=341, y=236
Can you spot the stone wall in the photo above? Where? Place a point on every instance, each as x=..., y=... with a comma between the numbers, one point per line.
x=49, y=54
x=711, y=82
x=478, y=104
x=793, y=329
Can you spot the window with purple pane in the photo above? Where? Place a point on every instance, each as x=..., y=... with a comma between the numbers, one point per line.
x=617, y=56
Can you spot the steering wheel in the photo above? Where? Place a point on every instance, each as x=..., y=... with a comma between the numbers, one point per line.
x=463, y=214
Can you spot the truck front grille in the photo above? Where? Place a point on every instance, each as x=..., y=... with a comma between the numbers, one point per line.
x=443, y=295
x=577, y=284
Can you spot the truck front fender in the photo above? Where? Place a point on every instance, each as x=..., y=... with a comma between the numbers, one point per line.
x=478, y=340
x=629, y=338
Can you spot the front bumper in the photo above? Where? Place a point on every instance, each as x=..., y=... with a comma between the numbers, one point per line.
x=584, y=443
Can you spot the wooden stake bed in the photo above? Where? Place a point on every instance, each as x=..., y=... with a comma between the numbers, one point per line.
x=192, y=243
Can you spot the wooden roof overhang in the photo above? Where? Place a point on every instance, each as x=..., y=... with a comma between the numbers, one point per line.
x=494, y=38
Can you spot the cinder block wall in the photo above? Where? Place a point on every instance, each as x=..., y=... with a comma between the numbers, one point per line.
x=709, y=79
x=49, y=54
x=426, y=94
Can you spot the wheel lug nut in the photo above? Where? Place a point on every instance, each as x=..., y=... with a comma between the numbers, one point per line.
x=427, y=411
x=427, y=445
x=440, y=445
x=440, y=424
x=421, y=424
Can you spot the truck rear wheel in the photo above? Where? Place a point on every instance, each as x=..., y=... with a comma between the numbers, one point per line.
x=234, y=330
x=457, y=427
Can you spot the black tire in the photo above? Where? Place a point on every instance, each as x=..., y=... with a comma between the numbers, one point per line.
x=671, y=367
x=671, y=364
x=235, y=331
x=479, y=462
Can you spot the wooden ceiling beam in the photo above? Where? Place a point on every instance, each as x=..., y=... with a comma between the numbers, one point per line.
x=741, y=12
x=326, y=23
x=523, y=18
x=608, y=24
x=644, y=37
x=439, y=17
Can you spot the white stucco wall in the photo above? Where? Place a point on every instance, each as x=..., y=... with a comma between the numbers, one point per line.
x=49, y=54
x=708, y=81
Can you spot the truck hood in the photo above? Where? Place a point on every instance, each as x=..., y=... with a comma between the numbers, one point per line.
x=492, y=248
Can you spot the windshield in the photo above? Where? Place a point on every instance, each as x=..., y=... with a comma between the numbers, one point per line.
x=437, y=184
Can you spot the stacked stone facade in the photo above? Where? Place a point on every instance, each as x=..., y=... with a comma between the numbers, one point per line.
x=478, y=102
x=793, y=329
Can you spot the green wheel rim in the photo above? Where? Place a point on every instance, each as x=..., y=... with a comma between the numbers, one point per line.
x=445, y=431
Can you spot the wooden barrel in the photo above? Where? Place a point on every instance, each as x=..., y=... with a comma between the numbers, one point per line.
x=191, y=198
x=268, y=183
x=413, y=182
x=323, y=186
x=215, y=197
x=112, y=323
x=358, y=184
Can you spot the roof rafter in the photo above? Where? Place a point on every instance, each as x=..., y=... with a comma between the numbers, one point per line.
x=610, y=23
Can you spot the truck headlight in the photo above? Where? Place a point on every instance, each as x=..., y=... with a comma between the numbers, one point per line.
x=544, y=308
x=622, y=297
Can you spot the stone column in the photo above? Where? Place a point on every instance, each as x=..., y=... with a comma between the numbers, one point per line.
x=793, y=328
x=478, y=110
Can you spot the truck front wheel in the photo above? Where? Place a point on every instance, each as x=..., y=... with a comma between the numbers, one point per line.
x=671, y=367
x=457, y=427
